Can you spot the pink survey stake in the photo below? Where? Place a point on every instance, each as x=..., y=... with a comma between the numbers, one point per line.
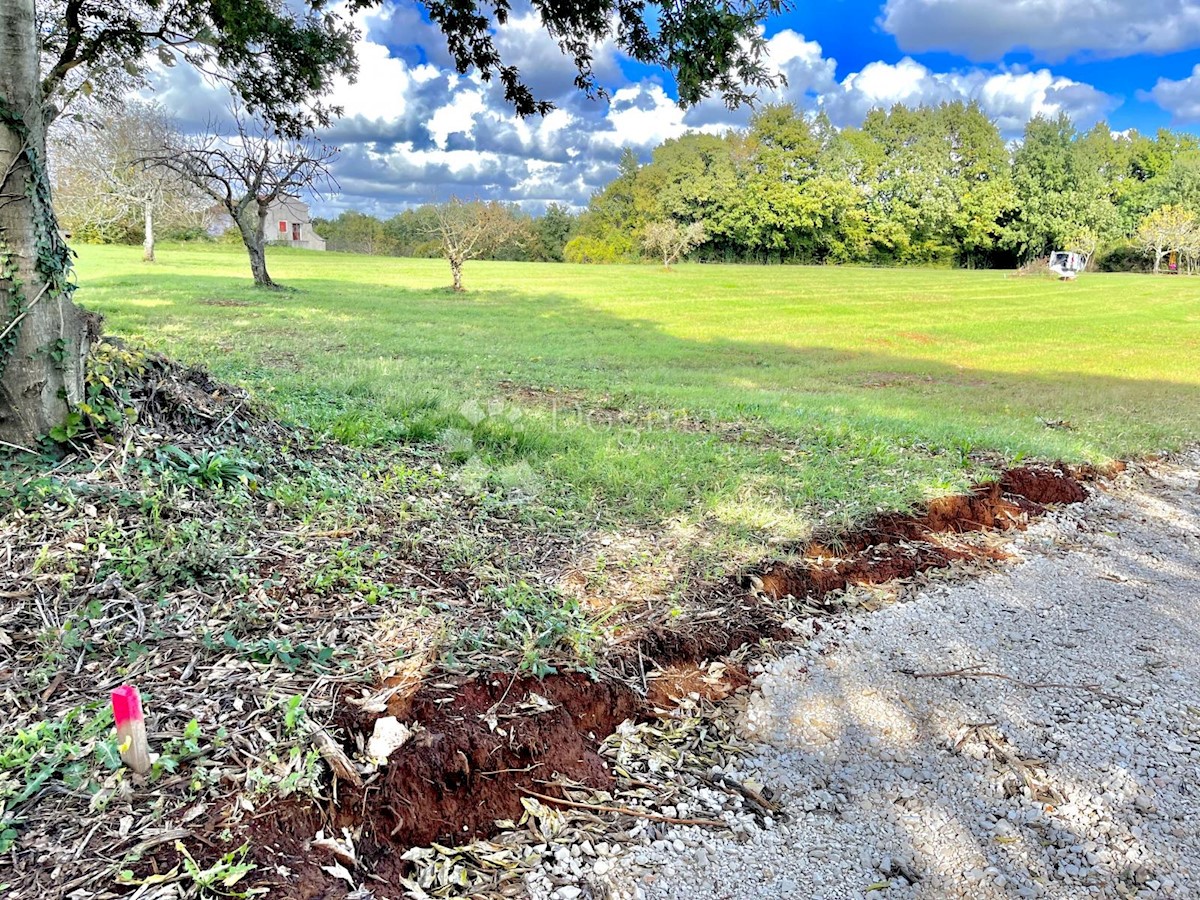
x=131, y=728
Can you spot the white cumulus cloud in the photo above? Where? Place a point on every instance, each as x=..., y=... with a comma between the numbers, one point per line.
x=1011, y=98
x=1052, y=30
x=415, y=131
x=1180, y=98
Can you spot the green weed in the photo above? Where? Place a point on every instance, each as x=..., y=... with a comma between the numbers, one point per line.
x=71, y=752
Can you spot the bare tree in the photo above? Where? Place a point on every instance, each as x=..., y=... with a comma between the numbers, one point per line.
x=471, y=229
x=106, y=176
x=1169, y=229
x=671, y=240
x=1189, y=249
x=1084, y=243
x=248, y=171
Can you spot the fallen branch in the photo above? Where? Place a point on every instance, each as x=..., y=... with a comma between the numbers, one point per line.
x=764, y=806
x=626, y=811
x=334, y=755
x=978, y=672
x=1039, y=791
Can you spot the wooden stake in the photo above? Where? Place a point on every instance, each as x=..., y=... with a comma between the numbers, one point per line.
x=131, y=728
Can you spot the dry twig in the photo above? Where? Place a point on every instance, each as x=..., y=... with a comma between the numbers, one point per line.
x=626, y=811
x=334, y=755
x=978, y=672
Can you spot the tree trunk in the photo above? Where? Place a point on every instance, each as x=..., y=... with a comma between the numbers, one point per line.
x=251, y=225
x=148, y=241
x=456, y=267
x=45, y=338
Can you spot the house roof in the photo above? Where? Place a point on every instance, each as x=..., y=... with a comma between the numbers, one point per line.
x=291, y=208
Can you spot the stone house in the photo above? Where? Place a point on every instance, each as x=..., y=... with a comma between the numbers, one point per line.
x=290, y=224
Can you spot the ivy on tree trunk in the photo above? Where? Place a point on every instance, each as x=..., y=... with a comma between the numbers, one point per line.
x=44, y=337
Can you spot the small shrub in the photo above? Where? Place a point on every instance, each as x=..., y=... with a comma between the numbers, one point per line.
x=587, y=249
x=540, y=624
x=206, y=467
x=1038, y=267
x=69, y=755
x=1123, y=258
x=107, y=406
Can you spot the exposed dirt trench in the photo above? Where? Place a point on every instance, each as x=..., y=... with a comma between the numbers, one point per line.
x=898, y=545
x=483, y=741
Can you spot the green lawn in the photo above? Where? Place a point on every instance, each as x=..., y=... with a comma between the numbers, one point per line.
x=758, y=401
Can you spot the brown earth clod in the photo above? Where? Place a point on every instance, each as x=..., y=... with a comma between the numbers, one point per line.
x=482, y=743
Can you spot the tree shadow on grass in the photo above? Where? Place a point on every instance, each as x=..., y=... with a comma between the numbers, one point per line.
x=718, y=420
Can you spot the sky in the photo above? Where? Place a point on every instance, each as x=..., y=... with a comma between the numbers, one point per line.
x=414, y=131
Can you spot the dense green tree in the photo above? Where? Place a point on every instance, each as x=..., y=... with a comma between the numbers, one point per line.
x=409, y=232
x=1060, y=186
x=611, y=220
x=551, y=231
x=977, y=166
x=781, y=211
x=911, y=202
x=1043, y=177
x=937, y=182
x=1173, y=179
x=355, y=232
x=690, y=179
x=926, y=185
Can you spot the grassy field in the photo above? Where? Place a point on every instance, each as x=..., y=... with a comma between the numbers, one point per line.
x=760, y=401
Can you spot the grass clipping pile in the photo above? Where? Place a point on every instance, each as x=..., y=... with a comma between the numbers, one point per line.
x=359, y=678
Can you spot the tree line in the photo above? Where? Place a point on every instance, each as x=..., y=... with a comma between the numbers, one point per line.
x=517, y=235
x=933, y=185
x=929, y=186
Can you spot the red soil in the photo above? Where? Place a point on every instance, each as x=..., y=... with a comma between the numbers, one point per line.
x=479, y=747
x=898, y=545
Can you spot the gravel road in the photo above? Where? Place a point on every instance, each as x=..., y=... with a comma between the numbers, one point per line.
x=1078, y=778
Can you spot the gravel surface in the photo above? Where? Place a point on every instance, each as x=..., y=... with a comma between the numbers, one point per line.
x=1081, y=778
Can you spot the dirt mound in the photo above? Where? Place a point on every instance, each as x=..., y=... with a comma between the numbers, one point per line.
x=670, y=685
x=1042, y=485
x=898, y=545
x=479, y=745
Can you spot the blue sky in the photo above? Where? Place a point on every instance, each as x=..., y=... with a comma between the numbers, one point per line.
x=414, y=131
x=855, y=33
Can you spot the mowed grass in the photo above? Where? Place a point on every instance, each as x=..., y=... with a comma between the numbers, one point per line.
x=758, y=401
